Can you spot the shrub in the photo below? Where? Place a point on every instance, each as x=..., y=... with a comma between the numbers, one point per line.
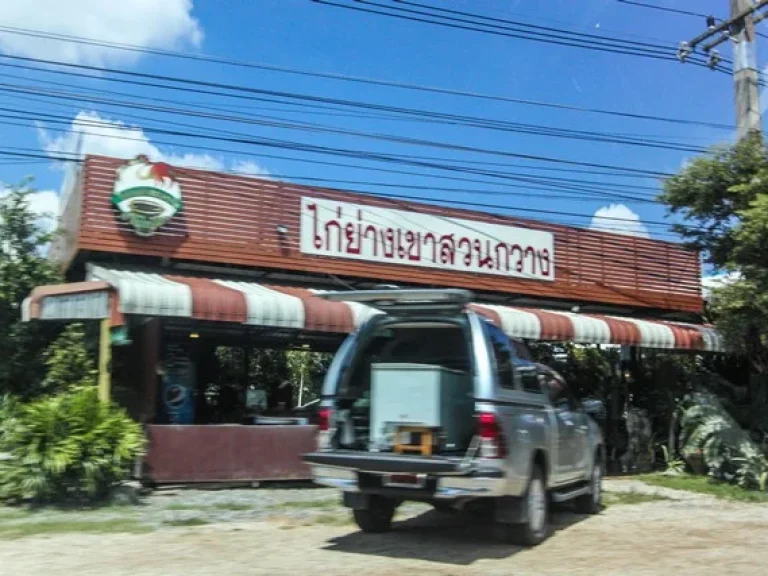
x=66, y=447
x=69, y=361
x=710, y=433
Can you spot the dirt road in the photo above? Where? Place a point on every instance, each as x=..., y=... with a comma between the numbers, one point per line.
x=688, y=536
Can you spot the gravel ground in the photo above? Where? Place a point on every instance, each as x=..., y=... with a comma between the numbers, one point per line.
x=298, y=531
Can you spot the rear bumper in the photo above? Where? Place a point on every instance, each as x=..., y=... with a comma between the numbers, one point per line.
x=477, y=483
x=383, y=463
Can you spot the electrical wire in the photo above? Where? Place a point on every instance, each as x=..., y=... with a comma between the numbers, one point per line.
x=357, y=79
x=545, y=31
x=533, y=182
x=248, y=92
x=677, y=11
x=68, y=157
x=449, y=22
x=440, y=117
x=271, y=121
x=447, y=119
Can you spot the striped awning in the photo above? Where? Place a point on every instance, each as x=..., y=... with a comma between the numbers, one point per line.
x=115, y=293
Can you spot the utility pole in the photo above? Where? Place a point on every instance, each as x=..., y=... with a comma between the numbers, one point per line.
x=740, y=28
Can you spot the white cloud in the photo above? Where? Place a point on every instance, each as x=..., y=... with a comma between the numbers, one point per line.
x=145, y=23
x=92, y=133
x=709, y=283
x=619, y=219
x=249, y=168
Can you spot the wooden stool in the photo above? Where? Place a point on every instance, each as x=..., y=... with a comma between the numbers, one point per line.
x=425, y=447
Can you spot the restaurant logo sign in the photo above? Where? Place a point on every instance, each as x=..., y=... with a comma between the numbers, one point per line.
x=146, y=194
x=387, y=236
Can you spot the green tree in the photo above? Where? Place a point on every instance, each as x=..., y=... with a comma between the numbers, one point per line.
x=723, y=199
x=307, y=369
x=23, y=266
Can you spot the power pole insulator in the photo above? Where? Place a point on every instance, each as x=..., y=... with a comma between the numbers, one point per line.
x=711, y=22
x=714, y=59
x=683, y=51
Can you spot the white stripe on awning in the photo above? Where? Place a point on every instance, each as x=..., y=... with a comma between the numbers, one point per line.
x=268, y=307
x=516, y=322
x=146, y=294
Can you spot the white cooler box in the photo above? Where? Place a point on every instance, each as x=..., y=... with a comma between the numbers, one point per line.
x=420, y=395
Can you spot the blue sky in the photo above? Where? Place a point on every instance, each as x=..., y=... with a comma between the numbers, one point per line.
x=312, y=36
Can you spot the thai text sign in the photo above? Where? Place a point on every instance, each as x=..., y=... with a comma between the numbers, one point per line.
x=388, y=236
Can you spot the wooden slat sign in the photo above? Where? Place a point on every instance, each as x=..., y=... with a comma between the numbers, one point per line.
x=387, y=236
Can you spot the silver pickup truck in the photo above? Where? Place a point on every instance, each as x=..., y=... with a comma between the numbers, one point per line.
x=428, y=401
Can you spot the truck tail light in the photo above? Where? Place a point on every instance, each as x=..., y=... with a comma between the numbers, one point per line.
x=324, y=419
x=491, y=436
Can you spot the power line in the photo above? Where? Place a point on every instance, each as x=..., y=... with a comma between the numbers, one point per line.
x=559, y=182
x=678, y=11
x=326, y=111
x=545, y=30
x=31, y=153
x=357, y=79
x=449, y=22
x=244, y=92
x=304, y=100
x=271, y=121
x=290, y=176
x=411, y=115
x=299, y=159
x=667, y=9
x=573, y=185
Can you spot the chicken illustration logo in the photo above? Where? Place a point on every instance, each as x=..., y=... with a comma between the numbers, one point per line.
x=146, y=194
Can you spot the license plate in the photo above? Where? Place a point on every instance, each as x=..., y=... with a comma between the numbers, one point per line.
x=405, y=480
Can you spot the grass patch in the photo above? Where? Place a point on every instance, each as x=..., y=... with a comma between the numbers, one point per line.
x=53, y=527
x=231, y=506
x=618, y=498
x=186, y=522
x=7, y=514
x=704, y=485
x=306, y=505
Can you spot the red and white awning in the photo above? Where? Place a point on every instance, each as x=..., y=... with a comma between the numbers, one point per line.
x=114, y=293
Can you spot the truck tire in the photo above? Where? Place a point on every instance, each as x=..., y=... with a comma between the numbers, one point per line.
x=591, y=503
x=377, y=517
x=535, y=510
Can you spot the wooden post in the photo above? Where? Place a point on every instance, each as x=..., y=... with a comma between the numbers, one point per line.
x=105, y=361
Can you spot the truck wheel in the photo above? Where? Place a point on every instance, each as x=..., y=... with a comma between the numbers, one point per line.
x=377, y=517
x=591, y=503
x=535, y=511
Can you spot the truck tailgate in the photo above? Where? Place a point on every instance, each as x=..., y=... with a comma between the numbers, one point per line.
x=385, y=463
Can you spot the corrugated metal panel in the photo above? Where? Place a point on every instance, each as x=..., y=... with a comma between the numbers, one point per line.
x=232, y=219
